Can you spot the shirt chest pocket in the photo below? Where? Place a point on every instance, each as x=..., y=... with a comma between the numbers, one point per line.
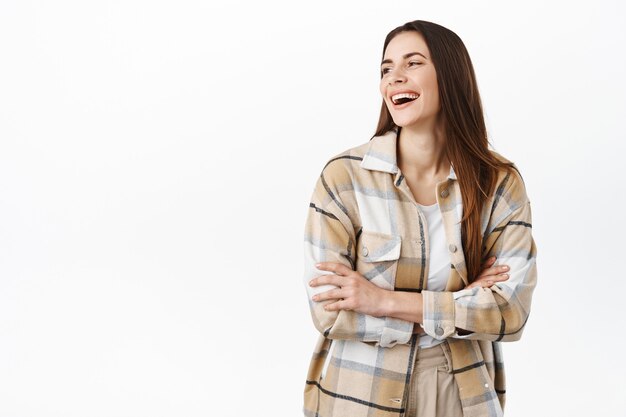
x=377, y=257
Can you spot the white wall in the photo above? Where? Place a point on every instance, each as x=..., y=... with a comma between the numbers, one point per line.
x=156, y=164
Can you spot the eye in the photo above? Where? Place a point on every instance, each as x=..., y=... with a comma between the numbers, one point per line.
x=384, y=70
x=414, y=62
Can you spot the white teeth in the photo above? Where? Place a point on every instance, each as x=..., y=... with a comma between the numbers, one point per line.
x=396, y=97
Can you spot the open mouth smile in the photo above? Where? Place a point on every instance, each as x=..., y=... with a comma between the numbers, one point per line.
x=402, y=100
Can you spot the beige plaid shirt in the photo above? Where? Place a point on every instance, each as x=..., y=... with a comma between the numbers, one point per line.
x=363, y=215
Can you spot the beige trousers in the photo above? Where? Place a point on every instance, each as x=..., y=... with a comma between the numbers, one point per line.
x=433, y=392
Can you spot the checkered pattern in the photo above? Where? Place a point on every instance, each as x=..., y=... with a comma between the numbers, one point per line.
x=363, y=215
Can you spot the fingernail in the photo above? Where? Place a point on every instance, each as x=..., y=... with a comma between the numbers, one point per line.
x=318, y=265
x=505, y=275
x=315, y=297
x=504, y=268
x=490, y=282
x=311, y=282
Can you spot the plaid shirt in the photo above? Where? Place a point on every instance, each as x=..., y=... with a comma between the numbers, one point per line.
x=363, y=215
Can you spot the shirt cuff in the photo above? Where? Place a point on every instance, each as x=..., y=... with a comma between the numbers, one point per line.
x=438, y=313
x=395, y=331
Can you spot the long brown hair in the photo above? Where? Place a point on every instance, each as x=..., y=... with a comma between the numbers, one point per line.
x=467, y=144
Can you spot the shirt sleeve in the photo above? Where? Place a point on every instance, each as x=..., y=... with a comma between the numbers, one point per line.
x=498, y=313
x=330, y=237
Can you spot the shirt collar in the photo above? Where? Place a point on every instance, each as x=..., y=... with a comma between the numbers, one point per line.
x=381, y=155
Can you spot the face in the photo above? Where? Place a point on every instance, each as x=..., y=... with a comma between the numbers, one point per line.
x=409, y=82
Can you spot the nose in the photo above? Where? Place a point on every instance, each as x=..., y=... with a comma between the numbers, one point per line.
x=396, y=77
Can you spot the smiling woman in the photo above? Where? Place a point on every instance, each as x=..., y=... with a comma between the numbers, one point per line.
x=400, y=248
x=409, y=71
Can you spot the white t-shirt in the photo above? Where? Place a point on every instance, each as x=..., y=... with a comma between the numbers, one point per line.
x=439, y=264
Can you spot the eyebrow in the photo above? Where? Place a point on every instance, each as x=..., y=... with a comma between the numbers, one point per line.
x=405, y=56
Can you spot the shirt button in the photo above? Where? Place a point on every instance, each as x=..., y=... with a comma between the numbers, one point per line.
x=444, y=193
x=364, y=251
x=438, y=331
x=452, y=247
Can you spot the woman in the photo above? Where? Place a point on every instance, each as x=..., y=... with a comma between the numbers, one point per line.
x=400, y=246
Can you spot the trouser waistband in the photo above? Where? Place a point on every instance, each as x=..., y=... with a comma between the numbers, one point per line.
x=434, y=356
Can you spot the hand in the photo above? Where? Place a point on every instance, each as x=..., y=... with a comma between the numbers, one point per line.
x=355, y=292
x=490, y=274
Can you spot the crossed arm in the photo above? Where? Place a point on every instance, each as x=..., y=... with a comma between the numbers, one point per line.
x=345, y=305
x=354, y=292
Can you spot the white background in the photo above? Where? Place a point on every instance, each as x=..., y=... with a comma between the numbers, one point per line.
x=156, y=164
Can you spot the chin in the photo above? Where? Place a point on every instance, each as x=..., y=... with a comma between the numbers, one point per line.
x=408, y=121
x=404, y=122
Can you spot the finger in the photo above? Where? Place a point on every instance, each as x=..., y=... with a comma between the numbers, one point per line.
x=500, y=277
x=481, y=283
x=488, y=281
x=337, y=305
x=328, y=295
x=494, y=270
x=484, y=282
x=487, y=269
x=336, y=267
x=330, y=279
x=495, y=277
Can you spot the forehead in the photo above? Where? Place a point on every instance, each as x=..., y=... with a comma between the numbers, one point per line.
x=406, y=42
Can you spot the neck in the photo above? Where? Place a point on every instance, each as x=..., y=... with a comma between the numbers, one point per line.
x=421, y=154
